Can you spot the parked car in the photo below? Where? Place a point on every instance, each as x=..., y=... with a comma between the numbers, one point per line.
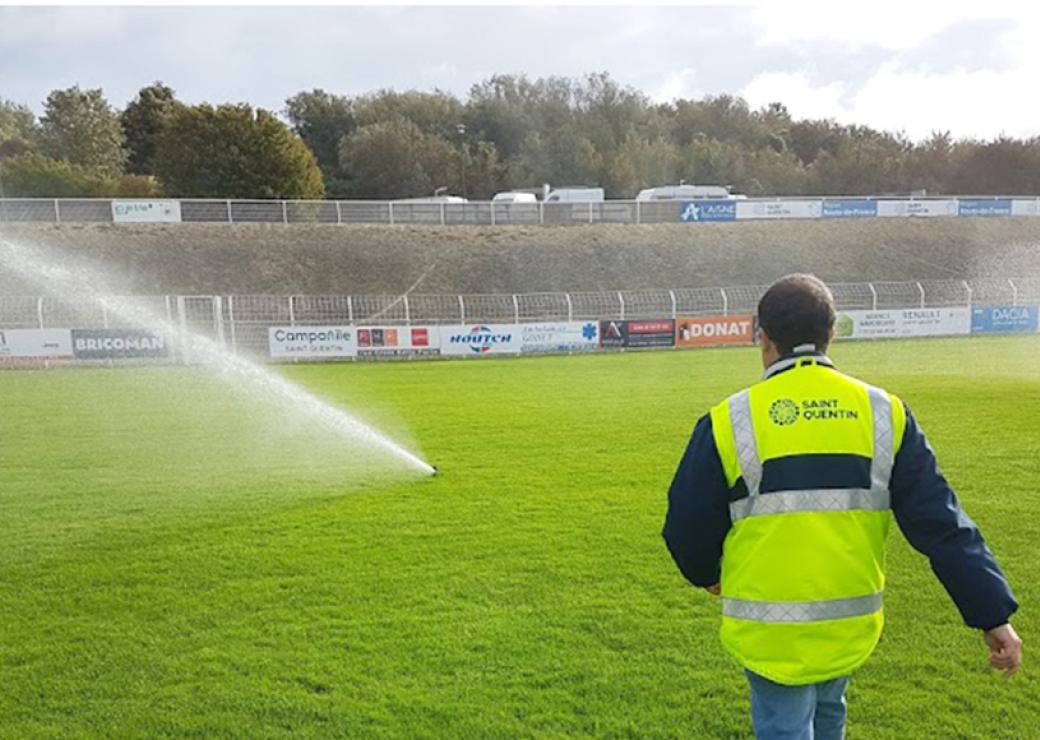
x=575, y=195
x=688, y=192
x=511, y=196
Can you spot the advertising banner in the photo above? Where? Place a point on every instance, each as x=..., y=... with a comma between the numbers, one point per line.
x=748, y=209
x=695, y=211
x=984, y=207
x=308, y=342
x=618, y=334
x=107, y=344
x=701, y=331
x=397, y=341
x=906, y=322
x=1023, y=207
x=1004, y=319
x=478, y=340
x=924, y=208
x=559, y=336
x=35, y=343
x=146, y=211
x=850, y=208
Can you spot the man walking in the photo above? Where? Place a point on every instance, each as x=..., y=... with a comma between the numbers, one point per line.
x=781, y=505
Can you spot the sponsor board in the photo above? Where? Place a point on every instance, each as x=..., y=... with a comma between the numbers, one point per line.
x=146, y=211
x=397, y=341
x=1022, y=207
x=695, y=211
x=1004, y=319
x=984, y=207
x=907, y=322
x=559, y=336
x=850, y=208
x=312, y=341
x=618, y=334
x=922, y=208
x=107, y=344
x=749, y=209
x=42, y=343
x=478, y=340
x=698, y=331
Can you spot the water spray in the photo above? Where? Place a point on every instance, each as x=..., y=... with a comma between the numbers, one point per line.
x=234, y=369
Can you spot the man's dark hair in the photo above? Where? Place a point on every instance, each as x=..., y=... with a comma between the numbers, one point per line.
x=797, y=309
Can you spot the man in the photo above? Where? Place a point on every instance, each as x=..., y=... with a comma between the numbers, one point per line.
x=781, y=505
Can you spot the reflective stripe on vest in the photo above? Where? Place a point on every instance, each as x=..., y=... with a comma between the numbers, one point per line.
x=801, y=611
x=876, y=498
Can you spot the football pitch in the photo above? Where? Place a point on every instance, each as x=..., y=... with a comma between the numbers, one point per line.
x=173, y=564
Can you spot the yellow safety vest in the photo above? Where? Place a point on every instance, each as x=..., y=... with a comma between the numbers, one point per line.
x=808, y=456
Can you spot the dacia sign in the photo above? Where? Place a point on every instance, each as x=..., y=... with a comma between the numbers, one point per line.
x=1004, y=319
x=476, y=340
x=692, y=211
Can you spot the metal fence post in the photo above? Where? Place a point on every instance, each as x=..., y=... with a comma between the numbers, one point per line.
x=1014, y=292
x=590, y=211
x=231, y=322
x=639, y=212
x=621, y=302
x=442, y=214
x=671, y=294
x=516, y=310
x=339, y=213
x=292, y=310
x=407, y=310
x=182, y=321
x=350, y=310
x=873, y=297
x=227, y=204
x=39, y=311
x=492, y=213
x=920, y=288
x=541, y=212
x=390, y=206
x=570, y=308
x=462, y=310
x=285, y=213
x=725, y=302
x=967, y=287
x=218, y=319
x=57, y=212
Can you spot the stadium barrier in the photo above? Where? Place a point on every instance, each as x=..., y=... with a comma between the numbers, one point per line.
x=390, y=213
x=42, y=330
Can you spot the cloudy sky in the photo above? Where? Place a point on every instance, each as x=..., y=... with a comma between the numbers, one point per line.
x=968, y=68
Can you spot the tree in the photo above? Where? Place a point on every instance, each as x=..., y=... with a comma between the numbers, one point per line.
x=142, y=122
x=322, y=120
x=80, y=127
x=1004, y=166
x=395, y=159
x=36, y=176
x=230, y=151
x=17, y=122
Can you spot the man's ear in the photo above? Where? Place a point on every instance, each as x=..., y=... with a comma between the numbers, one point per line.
x=763, y=338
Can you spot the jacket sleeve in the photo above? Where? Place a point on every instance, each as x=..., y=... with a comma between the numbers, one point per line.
x=698, y=509
x=932, y=520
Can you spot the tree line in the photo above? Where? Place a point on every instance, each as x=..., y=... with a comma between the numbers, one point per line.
x=510, y=132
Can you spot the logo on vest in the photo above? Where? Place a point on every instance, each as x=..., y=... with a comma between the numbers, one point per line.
x=783, y=411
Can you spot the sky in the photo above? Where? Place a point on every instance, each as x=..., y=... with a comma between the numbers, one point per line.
x=971, y=69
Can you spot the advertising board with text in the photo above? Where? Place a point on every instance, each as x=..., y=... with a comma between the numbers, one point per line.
x=921, y=208
x=906, y=322
x=559, y=336
x=35, y=343
x=849, y=208
x=146, y=211
x=702, y=331
x=312, y=342
x=397, y=341
x=633, y=334
x=109, y=344
x=479, y=340
x=751, y=209
x=1004, y=319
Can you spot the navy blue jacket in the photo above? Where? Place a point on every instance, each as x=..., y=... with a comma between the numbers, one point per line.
x=925, y=507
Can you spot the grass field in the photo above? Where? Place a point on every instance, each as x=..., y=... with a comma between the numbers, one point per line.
x=171, y=566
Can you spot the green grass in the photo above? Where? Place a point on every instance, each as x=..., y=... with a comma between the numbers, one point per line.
x=171, y=566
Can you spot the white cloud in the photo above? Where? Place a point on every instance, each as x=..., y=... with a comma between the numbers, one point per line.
x=794, y=90
x=681, y=84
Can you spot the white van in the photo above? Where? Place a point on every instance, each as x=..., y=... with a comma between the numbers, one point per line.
x=514, y=197
x=687, y=192
x=575, y=195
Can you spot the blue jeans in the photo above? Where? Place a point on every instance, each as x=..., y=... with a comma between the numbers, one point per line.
x=812, y=712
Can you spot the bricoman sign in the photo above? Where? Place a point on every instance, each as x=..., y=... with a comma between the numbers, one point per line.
x=698, y=331
x=397, y=341
x=909, y=322
x=107, y=344
x=478, y=340
x=310, y=342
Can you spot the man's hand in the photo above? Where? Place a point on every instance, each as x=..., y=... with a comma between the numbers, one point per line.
x=1005, y=649
x=714, y=590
